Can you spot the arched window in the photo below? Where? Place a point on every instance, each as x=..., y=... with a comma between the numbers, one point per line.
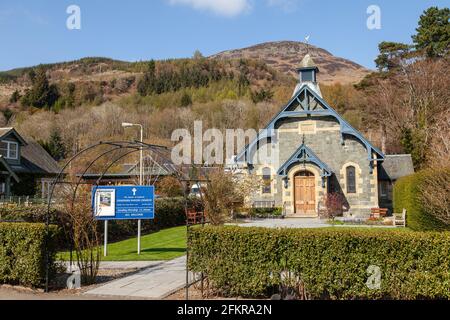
x=351, y=179
x=267, y=180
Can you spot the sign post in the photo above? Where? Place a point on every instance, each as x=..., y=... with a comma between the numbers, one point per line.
x=123, y=203
x=105, y=245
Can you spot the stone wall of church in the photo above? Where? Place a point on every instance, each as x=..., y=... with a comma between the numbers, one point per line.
x=322, y=136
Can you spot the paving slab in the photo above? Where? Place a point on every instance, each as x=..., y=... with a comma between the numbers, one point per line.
x=119, y=265
x=155, y=282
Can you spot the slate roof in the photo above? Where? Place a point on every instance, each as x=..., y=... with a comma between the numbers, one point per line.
x=395, y=166
x=34, y=158
x=11, y=131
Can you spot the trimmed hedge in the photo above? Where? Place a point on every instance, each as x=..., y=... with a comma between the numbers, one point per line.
x=408, y=196
x=22, y=253
x=332, y=263
x=265, y=212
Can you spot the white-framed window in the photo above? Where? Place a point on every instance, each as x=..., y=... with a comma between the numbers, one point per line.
x=9, y=149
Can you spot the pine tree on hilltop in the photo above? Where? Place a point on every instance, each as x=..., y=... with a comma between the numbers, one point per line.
x=42, y=94
x=433, y=33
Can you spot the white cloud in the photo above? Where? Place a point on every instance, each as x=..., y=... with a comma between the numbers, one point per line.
x=228, y=8
x=286, y=5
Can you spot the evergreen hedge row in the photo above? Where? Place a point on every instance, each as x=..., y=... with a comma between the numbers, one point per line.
x=407, y=195
x=23, y=254
x=332, y=263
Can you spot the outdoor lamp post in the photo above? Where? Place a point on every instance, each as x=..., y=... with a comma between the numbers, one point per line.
x=141, y=171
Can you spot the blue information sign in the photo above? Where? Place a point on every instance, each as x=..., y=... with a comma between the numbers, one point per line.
x=123, y=202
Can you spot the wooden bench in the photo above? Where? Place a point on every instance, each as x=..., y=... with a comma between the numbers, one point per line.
x=399, y=219
x=378, y=212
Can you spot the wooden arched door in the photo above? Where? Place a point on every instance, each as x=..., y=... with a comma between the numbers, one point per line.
x=305, y=193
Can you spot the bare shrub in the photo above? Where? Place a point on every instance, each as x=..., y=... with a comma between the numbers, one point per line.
x=435, y=194
x=224, y=193
x=83, y=232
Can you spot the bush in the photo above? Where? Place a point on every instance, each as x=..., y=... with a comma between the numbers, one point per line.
x=330, y=264
x=408, y=194
x=170, y=187
x=265, y=212
x=334, y=204
x=22, y=253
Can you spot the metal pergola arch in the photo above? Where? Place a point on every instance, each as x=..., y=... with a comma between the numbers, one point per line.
x=135, y=146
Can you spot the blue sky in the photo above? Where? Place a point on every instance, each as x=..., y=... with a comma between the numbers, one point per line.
x=34, y=32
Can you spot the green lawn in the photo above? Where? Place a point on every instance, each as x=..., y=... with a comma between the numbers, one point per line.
x=162, y=245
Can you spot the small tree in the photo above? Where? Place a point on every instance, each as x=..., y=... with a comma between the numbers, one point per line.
x=197, y=55
x=56, y=146
x=186, y=100
x=14, y=97
x=170, y=187
x=42, y=94
x=224, y=193
x=334, y=204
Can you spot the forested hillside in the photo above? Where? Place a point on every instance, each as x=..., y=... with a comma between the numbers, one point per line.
x=403, y=107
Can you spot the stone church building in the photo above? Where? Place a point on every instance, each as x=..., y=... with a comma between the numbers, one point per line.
x=314, y=152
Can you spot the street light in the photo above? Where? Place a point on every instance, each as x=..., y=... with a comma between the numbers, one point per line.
x=141, y=170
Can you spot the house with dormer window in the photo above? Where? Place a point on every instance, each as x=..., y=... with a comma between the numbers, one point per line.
x=26, y=169
x=311, y=151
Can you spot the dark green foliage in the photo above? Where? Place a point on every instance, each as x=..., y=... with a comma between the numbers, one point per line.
x=331, y=263
x=186, y=100
x=243, y=81
x=8, y=114
x=22, y=253
x=413, y=142
x=26, y=187
x=67, y=98
x=407, y=194
x=169, y=76
x=42, y=94
x=391, y=53
x=265, y=212
x=261, y=95
x=55, y=146
x=15, y=97
x=433, y=32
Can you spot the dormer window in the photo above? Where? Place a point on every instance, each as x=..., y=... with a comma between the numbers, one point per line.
x=9, y=149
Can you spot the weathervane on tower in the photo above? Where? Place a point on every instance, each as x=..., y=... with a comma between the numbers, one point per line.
x=307, y=43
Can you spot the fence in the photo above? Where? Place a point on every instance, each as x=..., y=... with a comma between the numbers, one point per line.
x=21, y=201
